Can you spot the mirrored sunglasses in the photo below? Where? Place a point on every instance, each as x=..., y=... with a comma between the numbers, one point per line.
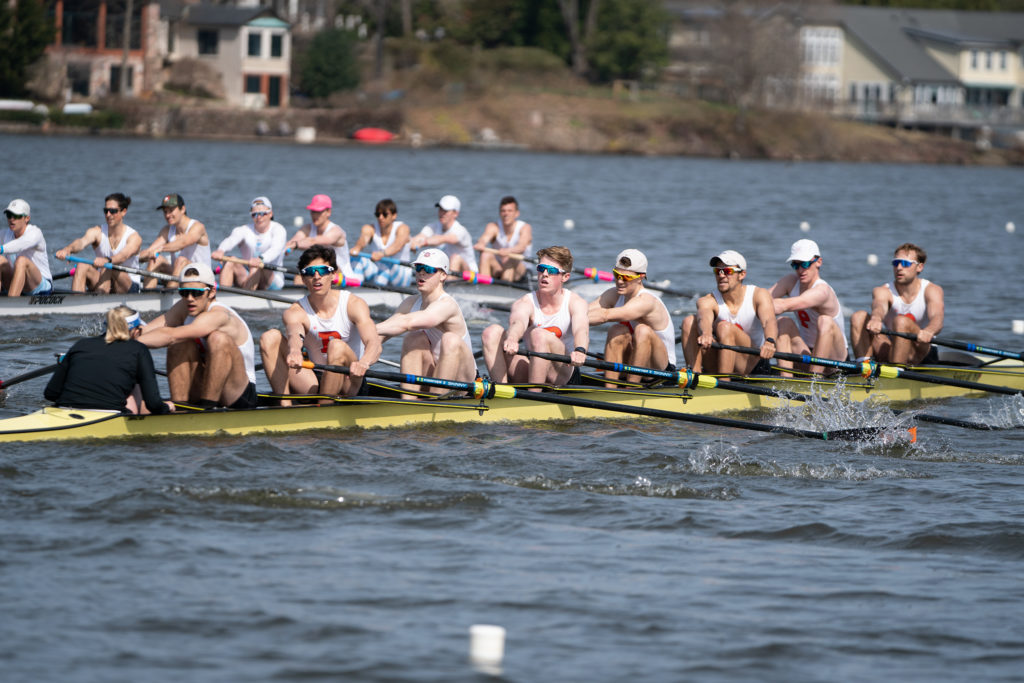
x=424, y=268
x=550, y=270
x=797, y=265
x=259, y=214
x=903, y=263
x=192, y=292
x=320, y=271
x=727, y=270
x=623, y=275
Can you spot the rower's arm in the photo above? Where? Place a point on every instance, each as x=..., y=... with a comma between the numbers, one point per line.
x=365, y=235
x=274, y=250
x=935, y=304
x=91, y=237
x=881, y=302
x=157, y=245
x=765, y=311
x=401, y=238
x=490, y=232
x=812, y=298
x=434, y=315
x=359, y=314
x=296, y=325
x=201, y=327
x=300, y=235
x=580, y=327
x=186, y=240
x=519, y=320
x=525, y=240
x=635, y=309
x=707, y=311
x=236, y=237
x=130, y=249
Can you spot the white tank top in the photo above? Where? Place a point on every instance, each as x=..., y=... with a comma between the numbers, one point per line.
x=916, y=310
x=807, y=320
x=746, y=318
x=463, y=248
x=195, y=253
x=558, y=323
x=504, y=242
x=322, y=330
x=341, y=254
x=667, y=334
x=106, y=251
x=247, y=348
x=380, y=245
x=434, y=335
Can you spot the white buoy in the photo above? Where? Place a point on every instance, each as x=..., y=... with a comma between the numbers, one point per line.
x=1018, y=326
x=1010, y=227
x=805, y=226
x=569, y=224
x=872, y=259
x=486, y=644
x=299, y=221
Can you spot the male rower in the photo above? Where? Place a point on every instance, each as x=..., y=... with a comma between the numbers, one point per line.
x=909, y=304
x=642, y=334
x=322, y=230
x=449, y=235
x=23, y=260
x=183, y=240
x=436, y=339
x=261, y=243
x=335, y=327
x=210, y=351
x=389, y=239
x=736, y=314
x=512, y=240
x=116, y=242
x=551, y=320
x=819, y=327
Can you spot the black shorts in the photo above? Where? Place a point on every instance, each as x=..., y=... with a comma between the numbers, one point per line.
x=246, y=400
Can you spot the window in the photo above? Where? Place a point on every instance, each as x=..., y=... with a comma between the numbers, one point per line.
x=277, y=45
x=974, y=59
x=1002, y=60
x=252, y=84
x=207, y=40
x=115, y=78
x=255, y=43
x=988, y=59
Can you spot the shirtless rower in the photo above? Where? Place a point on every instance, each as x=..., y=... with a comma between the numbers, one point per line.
x=908, y=304
x=261, y=243
x=210, y=351
x=388, y=239
x=551, y=320
x=436, y=338
x=322, y=230
x=103, y=239
x=512, y=236
x=24, y=263
x=335, y=327
x=643, y=334
x=819, y=327
x=449, y=235
x=181, y=241
x=736, y=314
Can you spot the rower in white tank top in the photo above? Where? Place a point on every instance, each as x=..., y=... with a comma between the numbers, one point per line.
x=195, y=253
x=104, y=250
x=916, y=310
x=558, y=323
x=247, y=348
x=380, y=245
x=322, y=330
x=667, y=335
x=463, y=248
x=341, y=254
x=807, y=319
x=504, y=241
x=746, y=317
x=434, y=335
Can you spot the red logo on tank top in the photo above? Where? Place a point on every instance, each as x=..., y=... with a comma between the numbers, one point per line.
x=325, y=339
x=555, y=331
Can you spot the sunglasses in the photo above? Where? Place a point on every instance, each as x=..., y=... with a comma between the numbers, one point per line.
x=381, y=214
x=107, y=209
x=903, y=263
x=727, y=270
x=423, y=268
x=550, y=270
x=319, y=271
x=192, y=292
x=11, y=214
x=797, y=265
x=259, y=214
x=623, y=275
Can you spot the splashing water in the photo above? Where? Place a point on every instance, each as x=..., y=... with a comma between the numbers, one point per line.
x=1003, y=412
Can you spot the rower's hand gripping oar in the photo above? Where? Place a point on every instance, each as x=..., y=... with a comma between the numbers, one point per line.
x=963, y=346
x=484, y=389
x=870, y=369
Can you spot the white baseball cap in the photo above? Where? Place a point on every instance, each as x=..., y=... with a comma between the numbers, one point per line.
x=803, y=250
x=19, y=207
x=449, y=202
x=198, y=272
x=265, y=201
x=434, y=258
x=729, y=258
x=631, y=259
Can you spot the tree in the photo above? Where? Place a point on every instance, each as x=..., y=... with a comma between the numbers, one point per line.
x=631, y=40
x=329, y=64
x=579, y=36
x=25, y=31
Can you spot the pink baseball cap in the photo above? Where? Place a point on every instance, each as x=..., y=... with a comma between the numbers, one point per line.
x=320, y=202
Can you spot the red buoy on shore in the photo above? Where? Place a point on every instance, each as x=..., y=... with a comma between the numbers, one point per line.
x=373, y=135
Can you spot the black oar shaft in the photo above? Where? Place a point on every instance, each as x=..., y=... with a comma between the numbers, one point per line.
x=31, y=374
x=962, y=345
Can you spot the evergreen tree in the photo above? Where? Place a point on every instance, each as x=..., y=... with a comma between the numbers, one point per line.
x=330, y=64
x=25, y=31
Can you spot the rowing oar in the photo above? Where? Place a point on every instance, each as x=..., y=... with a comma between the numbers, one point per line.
x=170, y=278
x=264, y=266
x=340, y=279
x=601, y=275
x=61, y=276
x=871, y=369
x=963, y=346
x=469, y=276
x=687, y=379
x=31, y=374
x=483, y=389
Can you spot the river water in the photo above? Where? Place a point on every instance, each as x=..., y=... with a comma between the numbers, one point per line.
x=608, y=549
